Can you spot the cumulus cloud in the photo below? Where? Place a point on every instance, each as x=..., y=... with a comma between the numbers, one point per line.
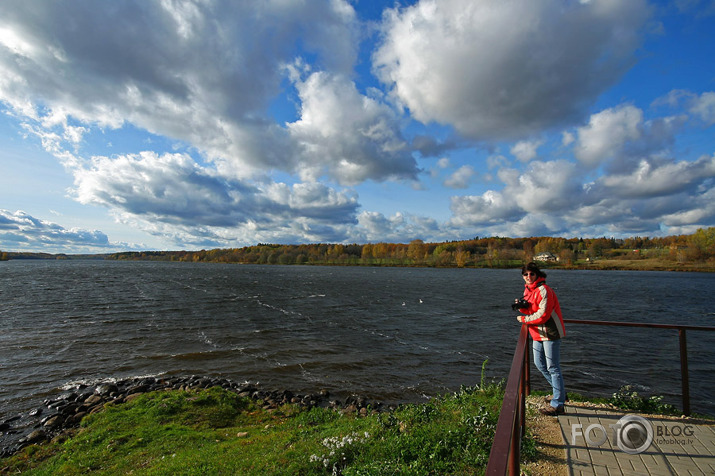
x=619, y=138
x=703, y=106
x=643, y=188
x=470, y=64
x=347, y=136
x=526, y=150
x=21, y=231
x=650, y=180
x=398, y=228
x=606, y=134
x=554, y=197
x=546, y=187
x=172, y=190
x=461, y=177
x=204, y=73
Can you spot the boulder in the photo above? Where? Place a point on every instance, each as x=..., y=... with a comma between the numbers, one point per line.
x=54, y=421
x=93, y=399
x=106, y=389
x=34, y=437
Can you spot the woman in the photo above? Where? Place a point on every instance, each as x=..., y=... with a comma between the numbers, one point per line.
x=546, y=326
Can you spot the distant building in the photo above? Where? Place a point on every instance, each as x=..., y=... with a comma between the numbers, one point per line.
x=546, y=256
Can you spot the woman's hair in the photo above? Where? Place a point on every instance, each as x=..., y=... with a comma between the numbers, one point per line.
x=533, y=267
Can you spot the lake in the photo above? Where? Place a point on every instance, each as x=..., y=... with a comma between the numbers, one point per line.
x=389, y=334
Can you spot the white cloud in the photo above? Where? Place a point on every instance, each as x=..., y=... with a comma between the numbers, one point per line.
x=203, y=73
x=689, y=219
x=20, y=231
x=703, y=106
x=461, y=178
x=650, y=180
x=488, y=209
x=347, y=136
x=606, y=134
x=526, y=150
x=471, y=65
x=398, y=228
x=620, y=139
x=172, y=195
x=553, y=198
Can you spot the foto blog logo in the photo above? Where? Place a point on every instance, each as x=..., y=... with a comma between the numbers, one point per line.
x=632, y=434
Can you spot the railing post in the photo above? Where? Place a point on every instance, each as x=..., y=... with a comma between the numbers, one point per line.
x=525, y=388
x=684, y=371
x=527, y=367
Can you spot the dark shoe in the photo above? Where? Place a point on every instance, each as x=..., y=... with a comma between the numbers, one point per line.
x=547, y=399
x=551, y=411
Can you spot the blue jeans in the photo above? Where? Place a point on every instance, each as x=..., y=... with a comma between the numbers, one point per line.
x=547, y=358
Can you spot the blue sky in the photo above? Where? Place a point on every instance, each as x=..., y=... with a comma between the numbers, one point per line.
x=133, y=125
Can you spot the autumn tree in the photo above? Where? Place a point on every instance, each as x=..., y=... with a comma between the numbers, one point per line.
x=417, y=251
x=702, y=243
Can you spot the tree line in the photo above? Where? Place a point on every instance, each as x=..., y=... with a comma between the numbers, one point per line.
x=478, y=252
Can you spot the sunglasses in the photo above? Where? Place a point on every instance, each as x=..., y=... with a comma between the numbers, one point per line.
x=528, y=274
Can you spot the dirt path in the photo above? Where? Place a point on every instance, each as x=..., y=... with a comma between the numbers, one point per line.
x=549, y=442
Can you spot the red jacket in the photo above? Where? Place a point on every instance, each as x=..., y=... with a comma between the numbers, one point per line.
x=544, y=316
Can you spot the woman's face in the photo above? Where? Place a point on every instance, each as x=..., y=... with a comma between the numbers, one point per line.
x=529, y=277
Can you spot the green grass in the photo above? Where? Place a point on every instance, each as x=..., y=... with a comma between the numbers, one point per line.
x=217, y=432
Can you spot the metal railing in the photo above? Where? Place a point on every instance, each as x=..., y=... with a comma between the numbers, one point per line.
x=505, y=453
x=506, y=448
x=685, y=382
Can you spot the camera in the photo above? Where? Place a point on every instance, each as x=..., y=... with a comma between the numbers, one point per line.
x=520, y=304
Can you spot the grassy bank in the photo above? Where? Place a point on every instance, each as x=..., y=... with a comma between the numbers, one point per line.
x=643, y=264
x=214, y=431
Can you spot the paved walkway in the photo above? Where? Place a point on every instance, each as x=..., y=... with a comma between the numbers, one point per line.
x=678, y=447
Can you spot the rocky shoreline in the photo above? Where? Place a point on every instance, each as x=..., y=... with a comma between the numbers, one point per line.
x=58, y=416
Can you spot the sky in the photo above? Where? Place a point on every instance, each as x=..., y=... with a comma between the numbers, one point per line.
x=185, y=125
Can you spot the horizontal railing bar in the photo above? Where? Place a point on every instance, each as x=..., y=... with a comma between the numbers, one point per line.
x=683, y=347
x=640, y=324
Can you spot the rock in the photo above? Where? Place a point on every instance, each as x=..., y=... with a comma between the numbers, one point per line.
x=59, y=404
x=54, y=421
x=34, y=437
x=93, y=399
x=70, y=409
x=75, y=419
x=138, y=389
x=106, y=389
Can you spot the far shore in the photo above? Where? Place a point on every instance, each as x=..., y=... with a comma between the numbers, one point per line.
x=601, y=264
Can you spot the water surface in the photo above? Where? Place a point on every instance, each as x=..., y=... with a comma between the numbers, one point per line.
x=390, y=334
